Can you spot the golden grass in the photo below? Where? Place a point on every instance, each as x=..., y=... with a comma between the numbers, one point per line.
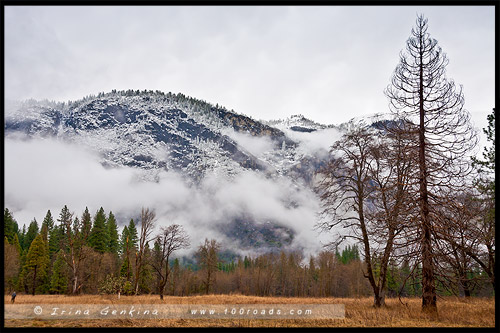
x=452, y=312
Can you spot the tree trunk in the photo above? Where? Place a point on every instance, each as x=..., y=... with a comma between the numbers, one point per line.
x=209, y=276
x=161, y=292
x=428, y=288
x=75, y=280
x=466, y=288
x=34, y=282
x=379, y=299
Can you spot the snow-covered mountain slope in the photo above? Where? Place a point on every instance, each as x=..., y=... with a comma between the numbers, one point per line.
x=297, y=123
x=154, y=131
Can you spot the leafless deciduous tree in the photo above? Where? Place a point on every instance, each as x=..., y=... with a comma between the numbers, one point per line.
x=469, y=236
x=391, y=205
x=170, y=239
x=147, y=226
x=11, y=264
x=420, y=93
x=208, y=259
x=364, y=189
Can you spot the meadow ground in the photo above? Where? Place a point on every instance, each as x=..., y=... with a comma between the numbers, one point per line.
x=359, y=312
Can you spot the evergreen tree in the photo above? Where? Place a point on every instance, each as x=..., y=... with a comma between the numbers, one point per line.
x=124, y=241
x=59, y=277
x=125, y=269
x=22, y=235
x=125, y=249
x=30, y=234
x=48, y=221
x=65, y=217
x=55, y=239
x=86, y=224
x=132, y=233
x=349, y=253
x=17, y=244
x=99, y=238
x=10, y=225
x=113, y=234
x=36, y=265
x=45, y=233
x=246, y=262
x=146, y=276
x=486, y=166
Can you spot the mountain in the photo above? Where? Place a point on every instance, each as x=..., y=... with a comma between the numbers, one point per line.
x=153, y=131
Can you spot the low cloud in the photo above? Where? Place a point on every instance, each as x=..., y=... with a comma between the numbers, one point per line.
x=42, y=174
x=315, y=143
x=257, y=146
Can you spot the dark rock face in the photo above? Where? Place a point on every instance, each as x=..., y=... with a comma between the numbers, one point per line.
x=302, y=129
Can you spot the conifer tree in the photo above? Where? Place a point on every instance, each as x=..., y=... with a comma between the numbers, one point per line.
x=420, y=93
x=99, y=238
x=17, y=244
x=45, y=234
x=30, y=234
x=86, y=224
x=124, y=241
x=10, y=225
x=36, y=266
x=125, y=269
x=113, y=234
x=146, y=275
x=132, y=233
x=59, y=277
x=22, y=235
x=48, y=221
x=55, y=238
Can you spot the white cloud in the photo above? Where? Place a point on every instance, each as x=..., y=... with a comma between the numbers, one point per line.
x=42, y=174
x=317, y=142
x=256, y=146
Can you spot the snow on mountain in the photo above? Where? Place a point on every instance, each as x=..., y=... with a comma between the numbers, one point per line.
x=297, y=123
x=154, y=132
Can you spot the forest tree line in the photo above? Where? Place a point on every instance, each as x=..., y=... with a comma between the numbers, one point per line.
x=89, y=255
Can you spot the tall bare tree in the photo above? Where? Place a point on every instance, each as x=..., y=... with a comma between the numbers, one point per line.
x=170, y=239
x=420, y=93
x=147, y=226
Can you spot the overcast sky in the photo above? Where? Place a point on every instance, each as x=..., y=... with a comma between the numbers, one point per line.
x=329, y=63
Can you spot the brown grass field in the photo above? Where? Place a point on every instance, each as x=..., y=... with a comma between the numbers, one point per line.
x=452, y=312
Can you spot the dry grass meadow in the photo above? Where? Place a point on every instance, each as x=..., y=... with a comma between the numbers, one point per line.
x=452, y=312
